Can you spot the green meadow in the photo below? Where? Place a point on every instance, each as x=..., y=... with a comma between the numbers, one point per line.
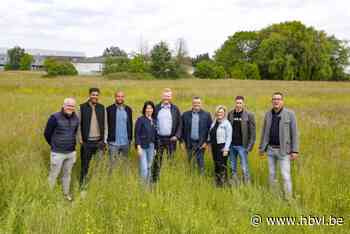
x=182, y=202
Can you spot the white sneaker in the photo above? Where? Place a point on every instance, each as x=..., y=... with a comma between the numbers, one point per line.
x=68, y=197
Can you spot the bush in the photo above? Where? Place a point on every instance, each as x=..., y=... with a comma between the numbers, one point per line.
x=139, y=64
x=209, y=69
x=244, y=70
x=25, y=63
x=55, y=67
x=115, y=64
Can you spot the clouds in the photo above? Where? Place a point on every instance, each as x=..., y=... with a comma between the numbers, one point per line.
x=90, y=25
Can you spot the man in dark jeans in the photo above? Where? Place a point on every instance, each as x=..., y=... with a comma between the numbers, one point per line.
x=92, y=132
x=195, y=129
x=168, y=118
x=119, y=117
x=243, y=138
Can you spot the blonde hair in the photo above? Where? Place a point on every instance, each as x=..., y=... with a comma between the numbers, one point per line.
x=220, y=107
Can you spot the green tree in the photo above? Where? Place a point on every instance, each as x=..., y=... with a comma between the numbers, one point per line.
x=14, y=57
x=26, y=62
x=162, y=64
x=245, y=70
x=138, y=64
x=115, y=64
x=240, y=47
x=199, y=58
x=209, y=69
x=285, y=51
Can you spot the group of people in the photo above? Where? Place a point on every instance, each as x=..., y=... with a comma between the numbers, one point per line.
x=230, y=134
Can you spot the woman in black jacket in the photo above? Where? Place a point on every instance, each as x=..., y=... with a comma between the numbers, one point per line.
x=146, y=139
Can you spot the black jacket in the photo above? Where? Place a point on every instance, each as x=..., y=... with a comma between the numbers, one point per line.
x=85, y=119
x=176, y=119
x=205, y=122
x=111, y=120
x=145, y=132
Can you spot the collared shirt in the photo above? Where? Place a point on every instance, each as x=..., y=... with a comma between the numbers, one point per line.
x=121, y=131
x=195, y=126
x=165, y=120
x=275, y=128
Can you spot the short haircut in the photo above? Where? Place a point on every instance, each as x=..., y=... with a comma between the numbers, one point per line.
x=91, y=90
x=166, y=90
x=118, y=91
x=278, y=93
x=68, y=101
x=239, y=98
x=196, y=98
x=148, y=103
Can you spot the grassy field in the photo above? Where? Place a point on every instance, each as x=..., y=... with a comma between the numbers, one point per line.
x=181, y=202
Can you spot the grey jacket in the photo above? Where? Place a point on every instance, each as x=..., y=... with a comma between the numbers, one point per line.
x=288, y=132
x=223, y=133
x=248, y=128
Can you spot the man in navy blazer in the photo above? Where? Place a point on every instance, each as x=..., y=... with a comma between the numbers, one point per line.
x=195, y=129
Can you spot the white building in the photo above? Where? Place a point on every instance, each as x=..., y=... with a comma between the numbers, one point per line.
x=40, y=55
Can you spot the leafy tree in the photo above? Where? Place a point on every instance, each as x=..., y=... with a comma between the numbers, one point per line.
x=199, y=58
x=245, y=70
x=14, y=56
x=162, y=64
x=237, y=48
x=115, y=64
x=209, y=69
x=285, y=51
x=26, y=61
x=138, y=64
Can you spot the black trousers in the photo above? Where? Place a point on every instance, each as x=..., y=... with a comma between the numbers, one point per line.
x=164, y=144
x=220, y=164
x=87, y=150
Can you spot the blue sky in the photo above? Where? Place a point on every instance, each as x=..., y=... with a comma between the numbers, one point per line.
x=91, y=26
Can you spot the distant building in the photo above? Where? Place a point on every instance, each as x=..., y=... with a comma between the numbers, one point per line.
x=40, y=55
x=89, y=66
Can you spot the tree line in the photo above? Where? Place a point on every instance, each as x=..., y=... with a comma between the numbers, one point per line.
x=283, y=51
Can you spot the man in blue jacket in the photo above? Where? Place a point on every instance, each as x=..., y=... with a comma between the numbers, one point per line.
x=195, y=129
x=60, y=134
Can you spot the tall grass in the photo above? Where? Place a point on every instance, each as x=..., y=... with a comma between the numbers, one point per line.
x=182, y=202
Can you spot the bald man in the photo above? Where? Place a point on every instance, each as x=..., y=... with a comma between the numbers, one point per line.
x=60, y=133
x=120, y=124
x=169, y=129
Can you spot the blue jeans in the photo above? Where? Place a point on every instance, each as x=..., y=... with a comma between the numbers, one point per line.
x=146, y=160
x=274, y=156
x=242, y=152
x=116, y=155
x=193, y=151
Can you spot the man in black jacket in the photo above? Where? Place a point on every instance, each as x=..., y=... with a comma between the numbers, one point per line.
x=168, y=119
x=243, y=137
x=119, y=118
x=195, y=129
x=92, y=132
x=60, y=134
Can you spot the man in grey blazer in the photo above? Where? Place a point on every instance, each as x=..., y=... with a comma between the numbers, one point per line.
x=243, y=137
x=279, y=140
